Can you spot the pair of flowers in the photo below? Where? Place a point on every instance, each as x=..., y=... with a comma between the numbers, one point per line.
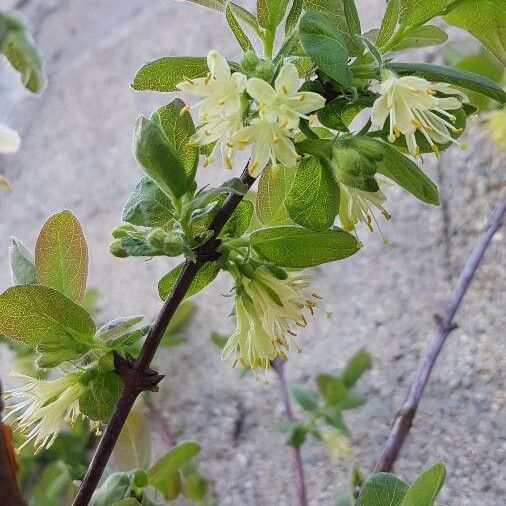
x=267, y=120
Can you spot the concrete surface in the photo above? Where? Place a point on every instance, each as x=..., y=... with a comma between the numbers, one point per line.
x=77, y=154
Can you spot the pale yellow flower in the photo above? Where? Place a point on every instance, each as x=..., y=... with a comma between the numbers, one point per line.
x=9, y=140
x=411, y=103
x=283, y=103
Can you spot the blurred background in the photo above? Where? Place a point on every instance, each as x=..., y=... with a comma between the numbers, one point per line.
x=77, y=154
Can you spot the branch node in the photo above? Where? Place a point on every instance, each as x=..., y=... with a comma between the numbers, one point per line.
x=208, y=252
x=135, y=380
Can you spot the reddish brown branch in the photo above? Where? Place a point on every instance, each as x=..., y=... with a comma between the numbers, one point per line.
x=404, y=419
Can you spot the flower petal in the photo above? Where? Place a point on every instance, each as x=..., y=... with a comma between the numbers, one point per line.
x=10, y=141
x=287, y=82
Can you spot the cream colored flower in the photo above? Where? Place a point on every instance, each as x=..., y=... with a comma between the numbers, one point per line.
x=284, y=103
x=44, y=407
x=9, y=140
x=357, y=205
x=412, y=105
x=221, y=89
x=270, y=143
x=267, y=308
x=497, y=127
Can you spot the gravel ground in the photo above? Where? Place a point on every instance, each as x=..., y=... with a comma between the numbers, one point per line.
x=77, y=154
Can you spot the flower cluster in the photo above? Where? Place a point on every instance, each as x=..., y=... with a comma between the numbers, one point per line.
x=414, y=104
x=44, y=407
x=236, y=113
x=267, y=308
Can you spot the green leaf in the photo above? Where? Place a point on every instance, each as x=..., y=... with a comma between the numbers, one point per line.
x=54, y=350
x=323, y=42
x=54, y=486
x=467, y=80
x=271, y=12
x=389, y=23
x=195, y=487
x=206, y=274
x=101, y=398
x=164, y=474
x=382, y=489
x=296, y=247
x=340, y=112
x=30, y=313
x=19, y=48
x=148, y=206
x=219, y=340
x=177, y=124
x=158, y=158
x=22, y=264
x=61, y=255
x=133, y=448
x=423, y=36
x=355, y=367
x=313, y=200
x=332, y=388
x=117, y=327
x=237, y=30
x=306, y=399
x=406, y=174
x=273, y=186
x=352, y=17
x=239, y=221
x=114, y=488
x=486, y=20
x=293, y=16
x=127, y=339
x=181, y=317
x=418, y=12
x=425, y=489
x=164, y=74
x=216, y=5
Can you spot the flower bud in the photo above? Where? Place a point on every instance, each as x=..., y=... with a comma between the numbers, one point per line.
x=265, y=70
x=168, y=243
x=117, y=249
x=354, y=169
x=249, y=62
x=123, y=230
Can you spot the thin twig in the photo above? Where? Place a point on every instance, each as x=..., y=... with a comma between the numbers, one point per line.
x=404, y=419
x=136, y=375
x=278, y=366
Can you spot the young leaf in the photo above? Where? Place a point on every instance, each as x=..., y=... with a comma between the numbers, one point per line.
x=356, y=366
x=237, y=30
x=296, y=247
x=164, y=74
x=100, y=399
x=331, y=388
x=19, y=48
x=326, y=46
x=352, y=17
x=148, y=206
x=389, y=23
x=177, y=124
x=54, y=350
x=164, y=474
x=382, y=489
x=458, y=77
x=306, y=399
x=159, y=159
x=30, y=313
x=22, y=264
x=61, y=256
x=313, y=200
x=133, y=449
x=271, y=12
x=423, y=36
x=239, y=221
x=406, y=174
x=205, y=275
x=340, y=112
x=114, y=489
x=417, y=13
x=293, y=16
x=486, y=20
x=425, y=489
x=273, y=186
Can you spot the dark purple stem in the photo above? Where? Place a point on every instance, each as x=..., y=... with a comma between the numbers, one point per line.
x=404, y=419
x=278, y=366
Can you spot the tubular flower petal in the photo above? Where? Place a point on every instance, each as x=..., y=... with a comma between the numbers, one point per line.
x=44, y=407
x=270, y=144
x=266, y=310
x=9, y=140
x=221, y=90
x=357, y=205
x=283, y=103
x=412, y=105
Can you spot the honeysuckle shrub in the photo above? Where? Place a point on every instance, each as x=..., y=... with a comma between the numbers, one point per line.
x=315, y=183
